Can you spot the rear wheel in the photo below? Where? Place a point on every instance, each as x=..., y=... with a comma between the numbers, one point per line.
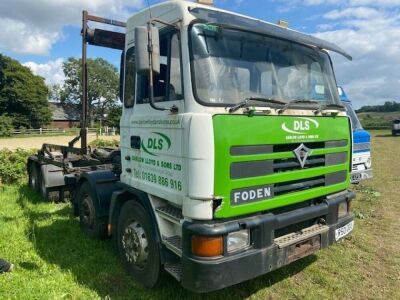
x=90, y=223
x=34, y=177
x=44, y=191
x=137, y=246
x=47, y=193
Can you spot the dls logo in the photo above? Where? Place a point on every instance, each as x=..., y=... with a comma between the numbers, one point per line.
x=300, y=125
x=158, y=142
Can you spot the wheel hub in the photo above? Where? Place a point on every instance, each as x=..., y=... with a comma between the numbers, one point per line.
x=135, y=244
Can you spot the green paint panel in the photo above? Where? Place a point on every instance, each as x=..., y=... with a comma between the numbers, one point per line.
x=242, y=130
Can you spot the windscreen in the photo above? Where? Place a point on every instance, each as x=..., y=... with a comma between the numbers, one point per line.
x=231, y=65
x=355, y=122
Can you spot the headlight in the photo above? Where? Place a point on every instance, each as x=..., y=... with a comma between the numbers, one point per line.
x=238, y=240
x=368, y=164
x=343, y=209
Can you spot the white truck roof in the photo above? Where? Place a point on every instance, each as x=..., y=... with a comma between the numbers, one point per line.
x=175, y=10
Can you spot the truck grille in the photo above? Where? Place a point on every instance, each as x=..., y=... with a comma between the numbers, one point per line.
x=263, y=149
x=246, y=169
x=288, y=163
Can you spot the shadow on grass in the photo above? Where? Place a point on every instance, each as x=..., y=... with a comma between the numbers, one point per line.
x=94, y=263
x=26, y=195
x=27, y=265
x=386, y=135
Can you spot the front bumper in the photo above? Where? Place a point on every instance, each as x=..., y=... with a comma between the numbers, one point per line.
x=357, y=176
x=265, y=253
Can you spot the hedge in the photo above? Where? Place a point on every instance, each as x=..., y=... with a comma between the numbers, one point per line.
x=13, y=165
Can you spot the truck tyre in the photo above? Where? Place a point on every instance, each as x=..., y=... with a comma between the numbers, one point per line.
x=34, y=177
x=137, y=245
x=91, y=225
x=46, y=193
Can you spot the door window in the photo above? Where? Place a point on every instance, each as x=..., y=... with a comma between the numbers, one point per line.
x=168, y=83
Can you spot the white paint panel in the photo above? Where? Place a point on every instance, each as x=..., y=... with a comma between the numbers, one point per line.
x=201, y=157
x=198, y=209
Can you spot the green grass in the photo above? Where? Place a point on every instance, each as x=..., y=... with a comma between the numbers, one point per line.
x=55, y=261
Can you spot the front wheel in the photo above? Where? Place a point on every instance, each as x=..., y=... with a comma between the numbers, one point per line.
x=137, y=246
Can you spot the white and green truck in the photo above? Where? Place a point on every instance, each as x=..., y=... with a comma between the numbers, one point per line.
x=235, y=151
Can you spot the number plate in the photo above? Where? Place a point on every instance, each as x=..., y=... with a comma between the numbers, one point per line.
x=343, y=231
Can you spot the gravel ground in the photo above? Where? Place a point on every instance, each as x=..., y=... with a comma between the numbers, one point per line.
x=37, y=141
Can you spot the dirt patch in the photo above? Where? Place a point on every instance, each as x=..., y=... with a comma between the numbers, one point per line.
x=37, y=141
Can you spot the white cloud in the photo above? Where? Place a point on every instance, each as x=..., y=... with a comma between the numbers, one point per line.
x=52, y=70
x=32, y=27
x=18, y=37
x=370, y=31
x=376, y=2
x=372, y=37
x=353, y=12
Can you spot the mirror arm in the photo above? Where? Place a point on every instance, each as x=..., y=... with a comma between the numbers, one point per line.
x=151, y=83
x=174, y=108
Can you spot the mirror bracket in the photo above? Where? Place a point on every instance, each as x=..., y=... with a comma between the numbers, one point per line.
x=173, y=109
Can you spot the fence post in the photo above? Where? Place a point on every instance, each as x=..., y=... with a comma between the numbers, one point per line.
x=40, y=130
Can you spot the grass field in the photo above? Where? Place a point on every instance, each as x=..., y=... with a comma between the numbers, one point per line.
x=55, y=261
x=378, y=119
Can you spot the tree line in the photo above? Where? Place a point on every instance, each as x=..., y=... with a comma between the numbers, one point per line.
x=388, y=106
x=24, y=97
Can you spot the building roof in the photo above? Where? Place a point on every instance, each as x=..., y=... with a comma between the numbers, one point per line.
x=64, y=112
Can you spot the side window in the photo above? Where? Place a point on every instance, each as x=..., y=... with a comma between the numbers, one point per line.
x=167, y=84
x=130, y=73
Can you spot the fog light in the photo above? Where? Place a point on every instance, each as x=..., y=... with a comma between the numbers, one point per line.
x=342, y=209
x=238, y=240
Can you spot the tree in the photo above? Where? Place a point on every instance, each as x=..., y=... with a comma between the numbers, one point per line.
x=103, y=85
x=23, y=96
x=6, y=126
x=114, y=115
x=388, y=106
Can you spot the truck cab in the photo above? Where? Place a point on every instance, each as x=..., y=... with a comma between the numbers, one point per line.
x=362, y=164
x=243, y=168
x=235, y=151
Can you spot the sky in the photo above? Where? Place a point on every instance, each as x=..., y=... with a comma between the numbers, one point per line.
x=41, y=34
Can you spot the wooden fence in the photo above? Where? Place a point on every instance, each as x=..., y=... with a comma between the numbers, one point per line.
x=61, y=131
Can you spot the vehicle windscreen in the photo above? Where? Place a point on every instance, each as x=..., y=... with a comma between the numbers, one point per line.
x=355, y=122
x=230, y=65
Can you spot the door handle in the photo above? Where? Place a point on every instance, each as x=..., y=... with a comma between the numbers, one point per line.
x=135, y=142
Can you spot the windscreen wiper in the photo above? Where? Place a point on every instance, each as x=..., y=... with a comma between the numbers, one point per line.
x=245, y=102
x=331, y=106
x=299, y=101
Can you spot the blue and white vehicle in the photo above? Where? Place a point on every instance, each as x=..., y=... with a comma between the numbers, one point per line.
x=362, y=165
